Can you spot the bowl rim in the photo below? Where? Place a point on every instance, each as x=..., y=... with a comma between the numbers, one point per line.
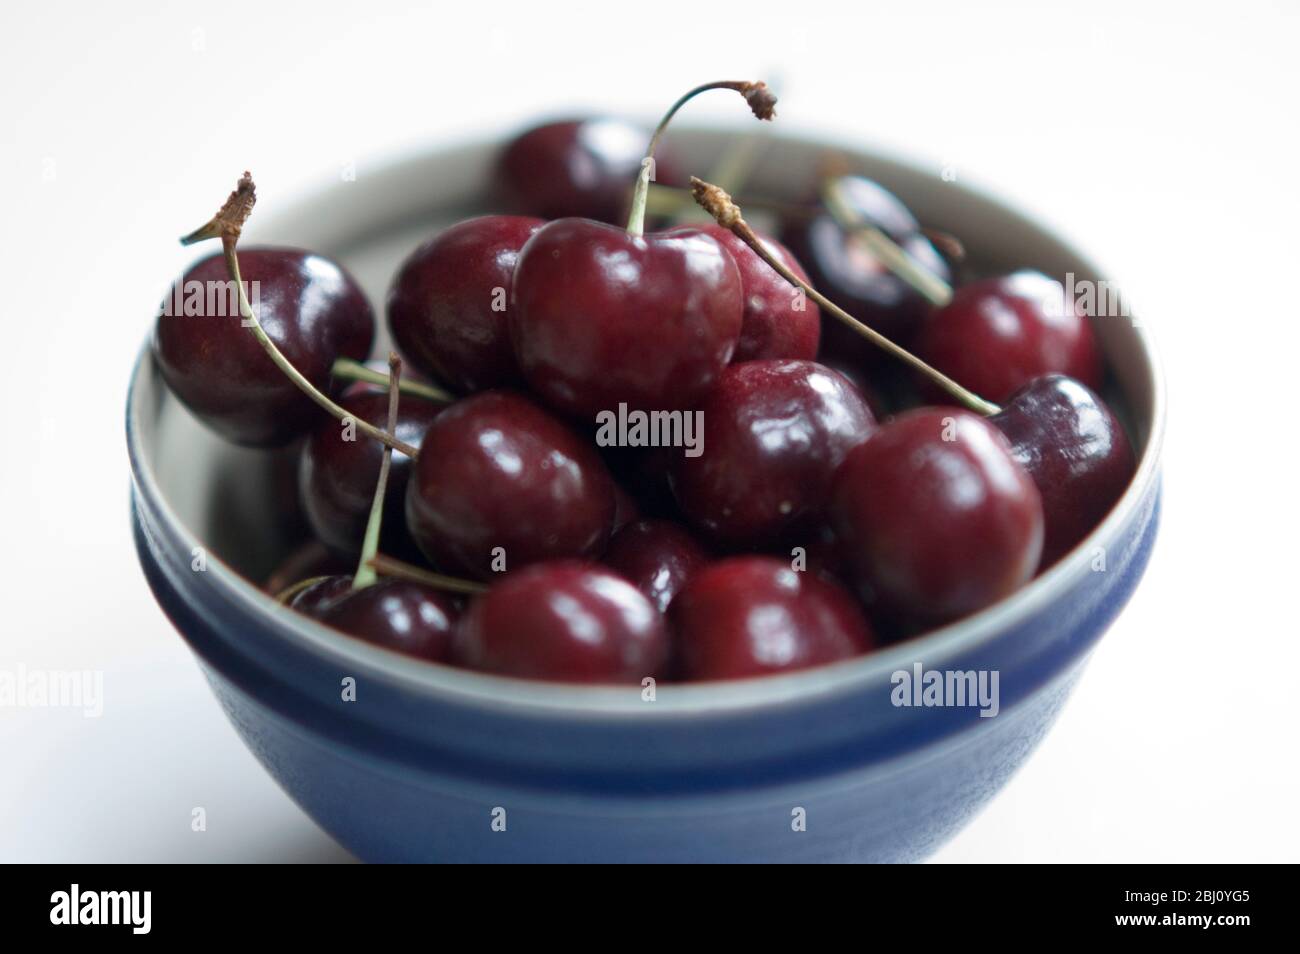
x=677, y=700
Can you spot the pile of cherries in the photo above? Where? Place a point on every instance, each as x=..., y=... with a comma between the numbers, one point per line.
x=836, y=505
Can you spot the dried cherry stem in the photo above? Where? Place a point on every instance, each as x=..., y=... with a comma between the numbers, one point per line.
x=227, y=225
x=350, y=370
x=761, y=102
x=896, y=258
x=365, y=574
x=727, y=214
x=388, y=566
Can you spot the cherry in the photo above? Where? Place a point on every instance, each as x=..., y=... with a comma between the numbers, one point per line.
x=580, y=168
x=998, y=334
x=337, y=471
x=658, y=557
x=497, y=471
x=603, y=316
x=774, y=434
x=448, y=304
x=394, y=614
x=1073, y=447
x=308, y=306
x=847, y=270
x=753, y=616
x=567, y=621
x=778, y=322
x=936, y=515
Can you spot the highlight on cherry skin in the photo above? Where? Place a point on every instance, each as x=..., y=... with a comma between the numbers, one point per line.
x=827, y=444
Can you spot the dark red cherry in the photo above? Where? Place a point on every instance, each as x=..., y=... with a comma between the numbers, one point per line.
x=312, y=599
x=937, y=517
x=602, y=317
x=577, y=168
x=1074, y=448
x=307, y=304
x=779, y=321
x=998, y=334
x=754, y=616
x=774, y=434
x=400, y=615
x=337, y=475
x=497, y=471
x=845, y=271
x=566, y=621
x=448, y=305
x=658, y=557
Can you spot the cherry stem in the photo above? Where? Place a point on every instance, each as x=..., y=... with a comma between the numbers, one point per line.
x=896, y=258
x=365, y=574
x=350, y=370
x=286, y=595
x=727, y=214
x=227, y=224
x=388, y=566
x=761, y=102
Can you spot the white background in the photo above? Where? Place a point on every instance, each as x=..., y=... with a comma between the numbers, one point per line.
x=1161, y=137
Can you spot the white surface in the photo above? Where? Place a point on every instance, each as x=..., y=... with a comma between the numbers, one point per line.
x=1163, y=140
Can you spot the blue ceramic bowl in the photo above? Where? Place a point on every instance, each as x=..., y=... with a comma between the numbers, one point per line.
x=433, y=763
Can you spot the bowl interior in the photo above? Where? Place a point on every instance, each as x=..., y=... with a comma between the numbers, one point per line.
x=231, y=499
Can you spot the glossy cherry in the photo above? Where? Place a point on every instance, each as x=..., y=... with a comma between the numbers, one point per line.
x=395, y=614
x=778, y=321
x=495, y=470
x=998, y=334
x=774, y=434
x=581, y=168
x=336, y=475
x=847, y=272
x=567, y=621
x=600, y=316
x=755, y=616
x=308, y=305
x=448, y=305
x=1074, y=448
x=658, y=557
x=937, y=517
